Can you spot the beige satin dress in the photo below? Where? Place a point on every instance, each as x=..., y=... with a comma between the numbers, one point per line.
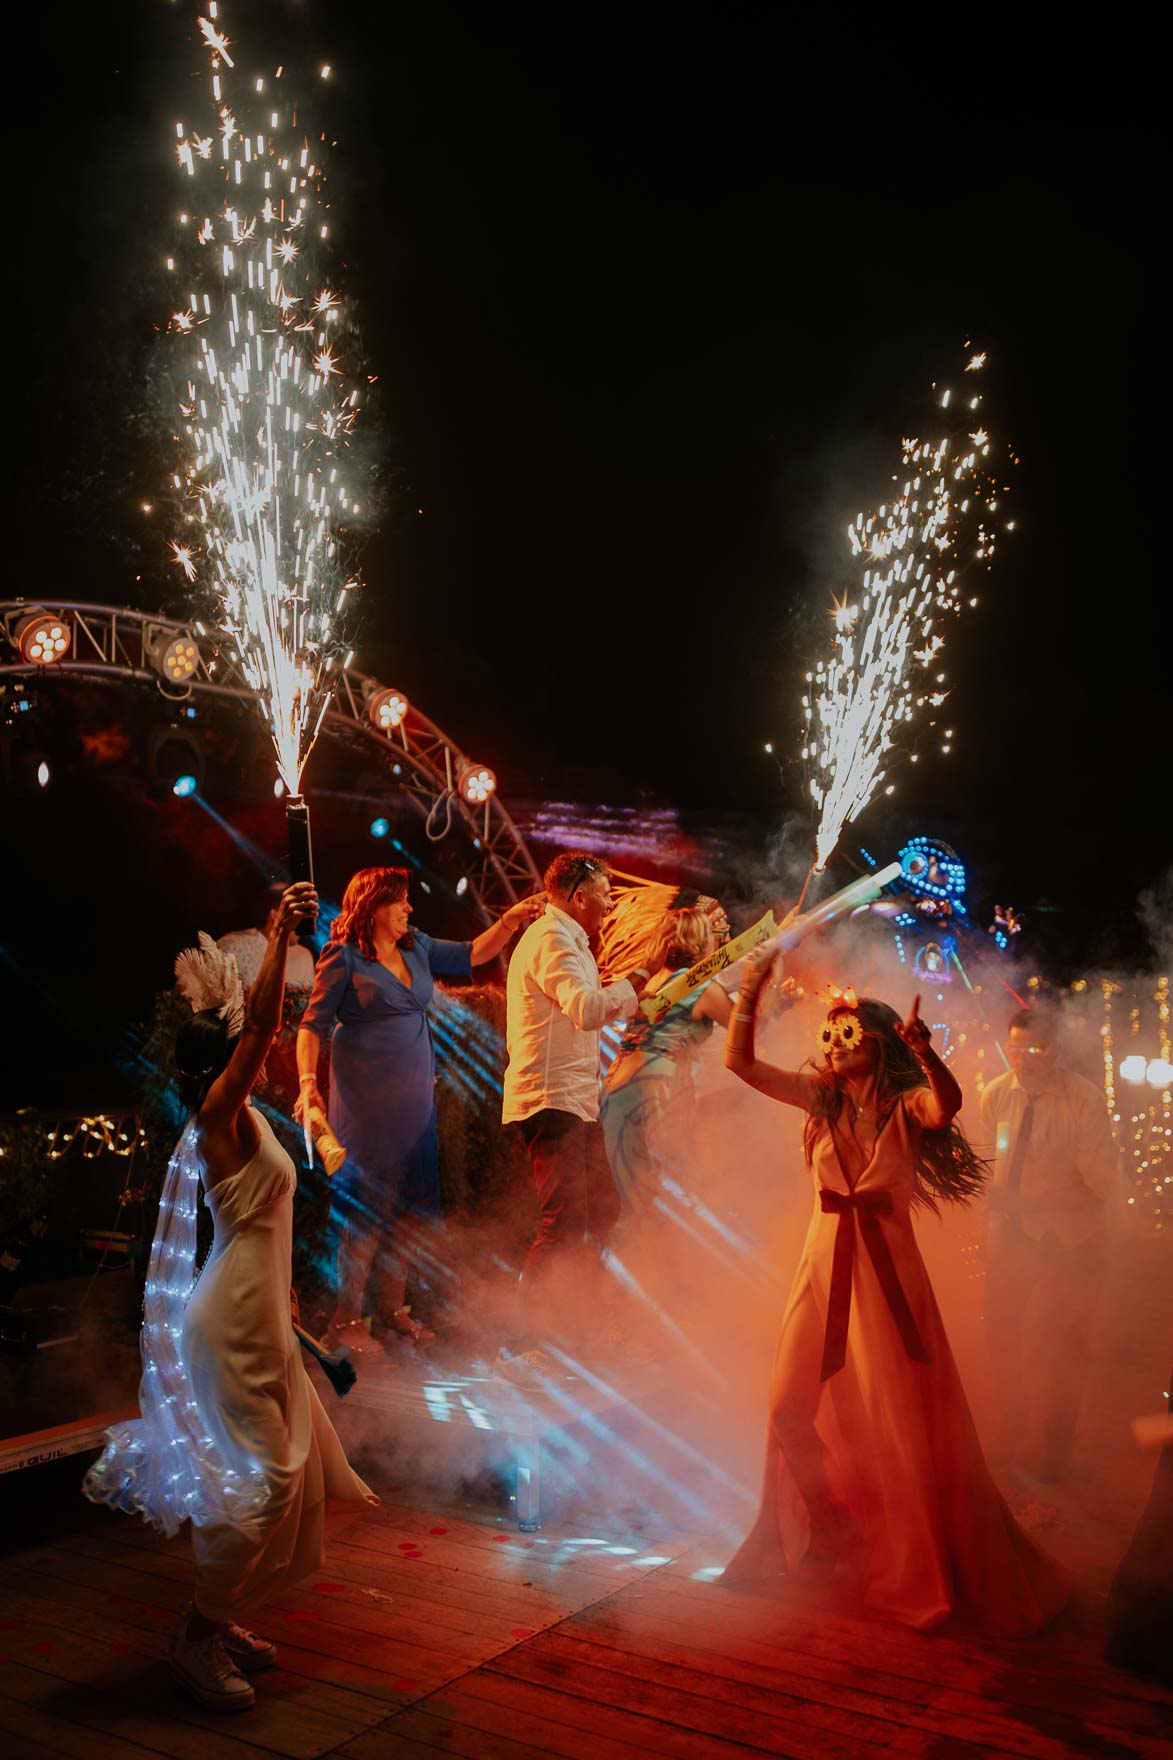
x=257, y=1402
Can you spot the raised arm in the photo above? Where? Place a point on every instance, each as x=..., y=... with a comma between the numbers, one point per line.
x=230, y=1091
x=494, y=940
x=789, y=1086
x=943, y=1084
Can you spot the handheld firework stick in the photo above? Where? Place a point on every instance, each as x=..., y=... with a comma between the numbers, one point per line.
x=787, y=935
x=338, y=1369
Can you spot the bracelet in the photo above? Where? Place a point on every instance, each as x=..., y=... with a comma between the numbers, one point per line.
x=308, y=1082
x=640, y=972
x=743, y=1017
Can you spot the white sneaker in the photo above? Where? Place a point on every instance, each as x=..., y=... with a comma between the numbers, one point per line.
x=248, y=1649
x=533, y=1369
x=203, y=1667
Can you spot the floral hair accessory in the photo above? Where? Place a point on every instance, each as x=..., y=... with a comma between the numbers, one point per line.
x=837, y=999
x=209, y=978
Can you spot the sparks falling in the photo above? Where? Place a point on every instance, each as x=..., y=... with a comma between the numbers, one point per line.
x=908, y=561
x=265, y=406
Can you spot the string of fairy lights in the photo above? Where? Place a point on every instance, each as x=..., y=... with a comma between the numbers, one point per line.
x=94, y=1135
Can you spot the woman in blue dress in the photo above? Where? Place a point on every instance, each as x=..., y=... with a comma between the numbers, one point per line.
x=651, y=1079
x=372, y=987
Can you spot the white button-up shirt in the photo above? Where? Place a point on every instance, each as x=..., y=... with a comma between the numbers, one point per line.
x=555, y=1006
x=1069, y=1173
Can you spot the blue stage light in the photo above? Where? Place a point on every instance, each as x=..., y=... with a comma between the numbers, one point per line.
x=380, y=827
x=184, y=785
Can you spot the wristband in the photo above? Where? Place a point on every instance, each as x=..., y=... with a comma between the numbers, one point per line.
x=308, y=1082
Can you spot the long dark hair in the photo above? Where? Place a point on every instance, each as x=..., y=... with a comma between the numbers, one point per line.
x=947, y=1165
x=202, y=1050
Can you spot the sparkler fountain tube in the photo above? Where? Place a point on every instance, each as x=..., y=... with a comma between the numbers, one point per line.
x=848, y=898
x=301, y=849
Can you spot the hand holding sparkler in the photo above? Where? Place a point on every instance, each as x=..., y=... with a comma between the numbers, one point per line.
x=297, y=902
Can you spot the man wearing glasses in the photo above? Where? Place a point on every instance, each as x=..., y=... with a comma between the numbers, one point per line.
x=1052, y=1202
x=556, y=1003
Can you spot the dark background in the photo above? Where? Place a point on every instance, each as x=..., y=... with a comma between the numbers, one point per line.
x=651, y=296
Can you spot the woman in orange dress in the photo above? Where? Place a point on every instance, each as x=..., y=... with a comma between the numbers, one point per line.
x=872, y=1459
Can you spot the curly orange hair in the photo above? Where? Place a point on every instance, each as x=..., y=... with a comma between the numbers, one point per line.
x=365, y=891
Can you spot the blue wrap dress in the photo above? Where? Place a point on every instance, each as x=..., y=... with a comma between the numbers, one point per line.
x=383, y=1071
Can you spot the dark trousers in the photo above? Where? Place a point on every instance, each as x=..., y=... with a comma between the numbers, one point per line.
x=580, y=1206
x=1040, y=1306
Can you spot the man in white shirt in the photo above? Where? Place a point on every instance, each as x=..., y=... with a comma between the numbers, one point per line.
x=1053, y=1200
x=555, y=1005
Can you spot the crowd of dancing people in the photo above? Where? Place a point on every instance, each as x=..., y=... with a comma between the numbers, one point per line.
x=873, y=1466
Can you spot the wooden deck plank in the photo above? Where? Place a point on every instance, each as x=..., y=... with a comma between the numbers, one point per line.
x=378, y=1675
x=27, y=1712
x=780, y=1702
x=422, y=1734
x=990, y=1690
x=775, y=1722
x=291, y=1717
x=581, y=1729
x=912, y=1664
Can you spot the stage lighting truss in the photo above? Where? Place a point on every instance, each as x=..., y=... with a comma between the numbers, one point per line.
x=476, y=784
x=176, y=658
x=42, y=638
x=113, y=644
x=387, y=710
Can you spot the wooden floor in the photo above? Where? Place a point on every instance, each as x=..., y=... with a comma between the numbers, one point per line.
x=437, y=1633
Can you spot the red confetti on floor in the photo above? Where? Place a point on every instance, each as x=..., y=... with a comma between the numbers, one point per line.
x=408, y=1546
x=438, y=1531
x=329, y=1588
x=502, y=1539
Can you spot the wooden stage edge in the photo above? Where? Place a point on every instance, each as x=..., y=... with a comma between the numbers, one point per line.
x=433, y=1630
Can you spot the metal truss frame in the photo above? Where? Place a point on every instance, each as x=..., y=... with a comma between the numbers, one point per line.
x=116, y=645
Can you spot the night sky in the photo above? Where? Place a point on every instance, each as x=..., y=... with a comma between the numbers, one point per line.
x=651, y=296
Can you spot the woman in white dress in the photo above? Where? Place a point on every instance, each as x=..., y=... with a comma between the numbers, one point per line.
x=232, y=1436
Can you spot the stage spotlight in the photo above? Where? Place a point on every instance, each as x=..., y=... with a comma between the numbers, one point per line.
x=42, y=638
x=175, y=761
x=388, y=710
x=175, y=657
x=380, y=827
x=462, y=886
x=476, y=784
x=1132, y=1069
x=1160, y=1073
x=44, y=774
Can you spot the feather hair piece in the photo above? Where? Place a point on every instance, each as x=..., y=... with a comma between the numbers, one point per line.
x=208, y=978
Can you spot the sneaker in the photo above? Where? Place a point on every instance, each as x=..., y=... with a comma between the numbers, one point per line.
x=248, y=1649
x=203, y=1668
x=535, y=1369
